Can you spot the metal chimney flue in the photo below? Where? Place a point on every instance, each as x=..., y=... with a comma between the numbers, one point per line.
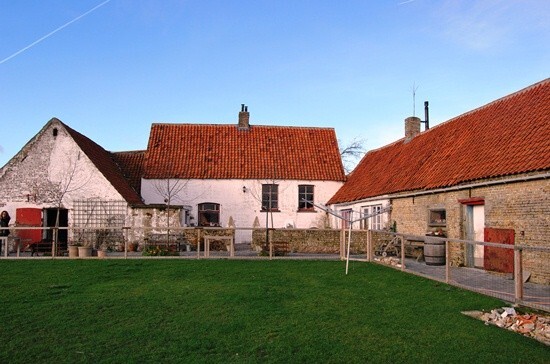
x=426, y=116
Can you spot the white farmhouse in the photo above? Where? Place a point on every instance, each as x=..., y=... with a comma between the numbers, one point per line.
x=233, y=175
x=242, y=175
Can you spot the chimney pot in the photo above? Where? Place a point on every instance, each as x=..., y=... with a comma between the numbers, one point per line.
x=412, y=128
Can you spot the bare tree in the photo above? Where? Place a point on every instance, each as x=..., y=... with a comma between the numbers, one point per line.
x=70, y=178
x=352, y=152
x=169, y=190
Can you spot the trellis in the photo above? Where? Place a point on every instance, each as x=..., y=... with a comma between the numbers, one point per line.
x=96, y=220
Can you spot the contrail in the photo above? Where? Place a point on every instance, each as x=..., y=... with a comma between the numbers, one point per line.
x=53, y=32
x=405, y=2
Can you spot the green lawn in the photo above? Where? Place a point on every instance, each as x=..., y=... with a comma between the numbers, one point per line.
x=242, y=311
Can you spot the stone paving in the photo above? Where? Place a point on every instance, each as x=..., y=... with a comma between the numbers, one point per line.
x=489, y=283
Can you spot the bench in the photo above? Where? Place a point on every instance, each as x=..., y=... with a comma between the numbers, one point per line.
x=45, y=247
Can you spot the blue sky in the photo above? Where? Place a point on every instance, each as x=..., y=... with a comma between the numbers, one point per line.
x=350, y=65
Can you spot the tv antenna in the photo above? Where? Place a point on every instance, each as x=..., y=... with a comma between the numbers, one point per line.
x=413, y=89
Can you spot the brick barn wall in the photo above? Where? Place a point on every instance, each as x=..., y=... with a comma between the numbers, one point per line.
x=521, y=206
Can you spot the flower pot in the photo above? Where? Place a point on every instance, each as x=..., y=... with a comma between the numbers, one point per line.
x=101, y=253
x=73, y=251
x=84, y=251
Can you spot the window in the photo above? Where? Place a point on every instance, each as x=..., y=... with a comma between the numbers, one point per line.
x=209, y=214
x=270, y=197
x=437, y=217
x=346, y=216
x=376, y=221
x=365, y=222
x=373, y=222
x=305, y=192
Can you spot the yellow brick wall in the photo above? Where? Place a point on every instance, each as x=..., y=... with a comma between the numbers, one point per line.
x=521, y=206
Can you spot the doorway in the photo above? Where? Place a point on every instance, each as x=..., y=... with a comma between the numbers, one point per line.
x=50, y=220
x=474, y=228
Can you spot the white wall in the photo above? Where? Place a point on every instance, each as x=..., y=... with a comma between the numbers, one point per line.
x=358, y=208
x=46, y=166
x=245, y=207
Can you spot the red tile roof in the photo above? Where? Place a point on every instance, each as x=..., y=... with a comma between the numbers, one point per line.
x=105, y=163
x=131, y=165
x=508, y=136
x=226, y=152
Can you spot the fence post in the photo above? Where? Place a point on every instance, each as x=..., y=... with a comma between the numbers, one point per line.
x=54, y=242
x=4, y=241
x=270, y=242
x=342, y=243
x=402, y=253
x=369, y=245
x=125, y=239
x=447, y=263
x=518, y=274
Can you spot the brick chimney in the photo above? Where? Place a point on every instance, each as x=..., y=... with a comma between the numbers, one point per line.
x=244, y=118
x=412, y=128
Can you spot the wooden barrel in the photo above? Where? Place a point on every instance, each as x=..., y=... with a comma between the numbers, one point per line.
x=434, y=251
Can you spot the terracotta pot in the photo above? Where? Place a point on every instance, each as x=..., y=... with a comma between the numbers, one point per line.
x=73, y=251
x=84, y=251
x=101, y=253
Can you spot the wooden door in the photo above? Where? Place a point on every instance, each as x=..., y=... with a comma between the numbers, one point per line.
x=499, y=259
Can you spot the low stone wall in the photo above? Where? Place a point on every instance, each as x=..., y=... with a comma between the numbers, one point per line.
x=191, y=235
x=320, y=241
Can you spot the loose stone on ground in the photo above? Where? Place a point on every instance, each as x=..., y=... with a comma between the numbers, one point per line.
x=536, y=326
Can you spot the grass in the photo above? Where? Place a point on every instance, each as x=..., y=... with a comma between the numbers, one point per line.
x=149, y=311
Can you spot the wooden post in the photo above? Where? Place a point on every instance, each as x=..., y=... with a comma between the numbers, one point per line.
x=518, y=275
x=125, y=239
x=54, y=241
x=5, y=243
x=270, y=242
x=402, y=253
x=447, y=262
x=206, y=247
x=342, y=243
x=198, y=243
x=369, y=245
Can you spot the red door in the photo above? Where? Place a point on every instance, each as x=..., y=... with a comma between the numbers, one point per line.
x=499, y=259
x=29, y=217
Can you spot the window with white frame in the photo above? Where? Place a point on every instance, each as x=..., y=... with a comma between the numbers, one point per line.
x=365, y=222
x=376, y=221
x=373, y=222
x=346, y=217
x=209, y=214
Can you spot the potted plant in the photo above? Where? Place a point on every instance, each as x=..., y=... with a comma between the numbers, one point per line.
x=102, y=251
x=85, y=250
x=73, y=249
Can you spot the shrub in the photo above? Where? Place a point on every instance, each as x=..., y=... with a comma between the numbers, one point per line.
x=158, y=250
